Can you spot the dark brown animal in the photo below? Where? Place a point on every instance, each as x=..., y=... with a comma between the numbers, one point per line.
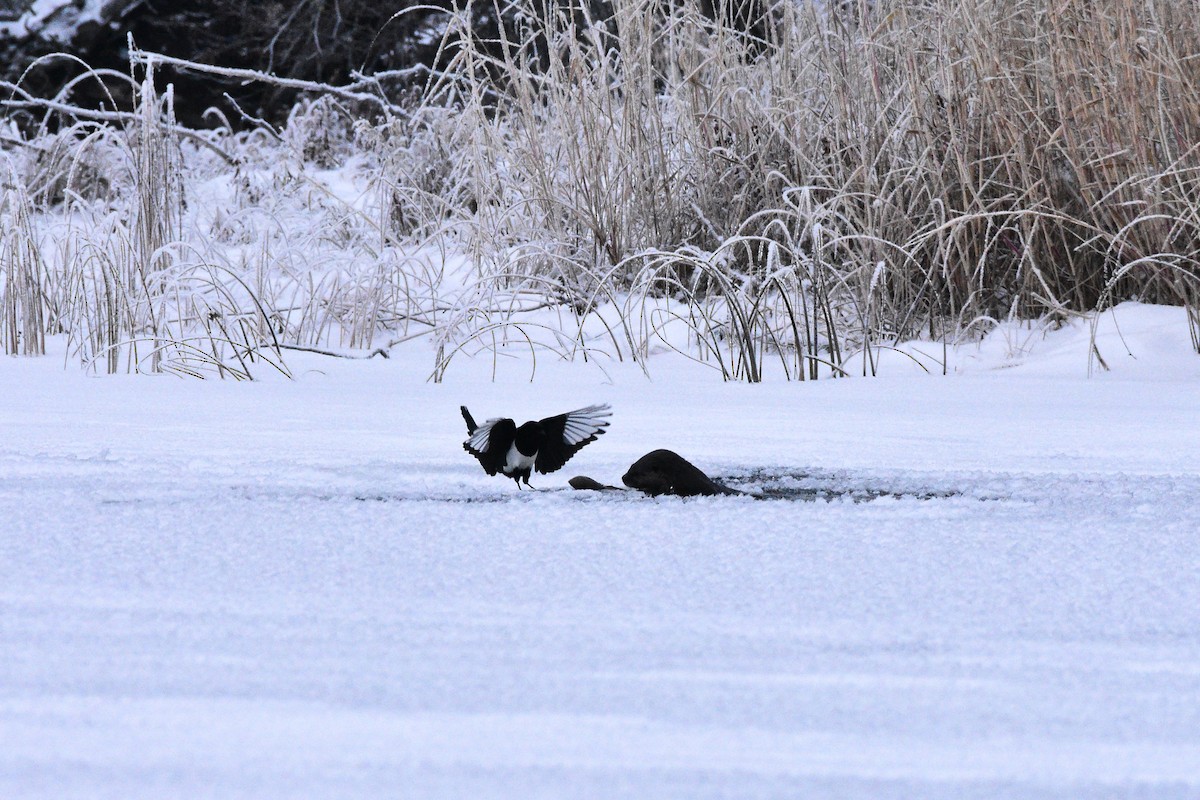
x=666, y=472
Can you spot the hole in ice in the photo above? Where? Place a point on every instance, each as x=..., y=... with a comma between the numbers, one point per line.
x=829, y=486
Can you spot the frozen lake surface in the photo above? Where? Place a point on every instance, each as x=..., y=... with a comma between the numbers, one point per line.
x=307, y=589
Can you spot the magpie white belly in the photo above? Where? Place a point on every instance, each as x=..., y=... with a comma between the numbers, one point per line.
x=516, y=460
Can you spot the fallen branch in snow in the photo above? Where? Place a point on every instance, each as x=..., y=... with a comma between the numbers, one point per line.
x=378, y=351
x=353, y=92
x=96, y=115
x=258, y=122
x=8, y=141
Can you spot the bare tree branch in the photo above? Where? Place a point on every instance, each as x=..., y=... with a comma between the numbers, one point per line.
x=30, y=101
x=353, y=92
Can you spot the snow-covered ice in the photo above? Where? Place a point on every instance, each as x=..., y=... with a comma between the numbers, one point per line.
x=307, y=589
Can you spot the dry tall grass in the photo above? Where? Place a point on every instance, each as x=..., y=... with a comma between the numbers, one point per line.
x=789, y=183
x=22, y=276
x=904, y=166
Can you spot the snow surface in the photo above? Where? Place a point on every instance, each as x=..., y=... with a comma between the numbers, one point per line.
x=307, y=589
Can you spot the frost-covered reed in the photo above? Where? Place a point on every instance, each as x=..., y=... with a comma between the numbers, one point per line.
x=758, y=185
x=840, y=179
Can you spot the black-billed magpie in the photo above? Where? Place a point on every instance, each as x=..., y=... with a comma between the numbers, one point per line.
x=544, y=445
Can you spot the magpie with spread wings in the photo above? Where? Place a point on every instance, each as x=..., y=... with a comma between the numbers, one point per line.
x=543, y=445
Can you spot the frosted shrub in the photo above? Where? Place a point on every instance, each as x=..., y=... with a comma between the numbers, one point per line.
x=320, y=132
x=79, y=164
x=416, y=166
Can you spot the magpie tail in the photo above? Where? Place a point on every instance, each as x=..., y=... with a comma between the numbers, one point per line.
x=471, y=426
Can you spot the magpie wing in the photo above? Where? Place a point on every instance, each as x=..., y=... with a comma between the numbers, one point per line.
x=490, y=441
x=567, y=433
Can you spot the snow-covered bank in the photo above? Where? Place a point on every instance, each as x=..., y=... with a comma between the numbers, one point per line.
x=307, y=589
